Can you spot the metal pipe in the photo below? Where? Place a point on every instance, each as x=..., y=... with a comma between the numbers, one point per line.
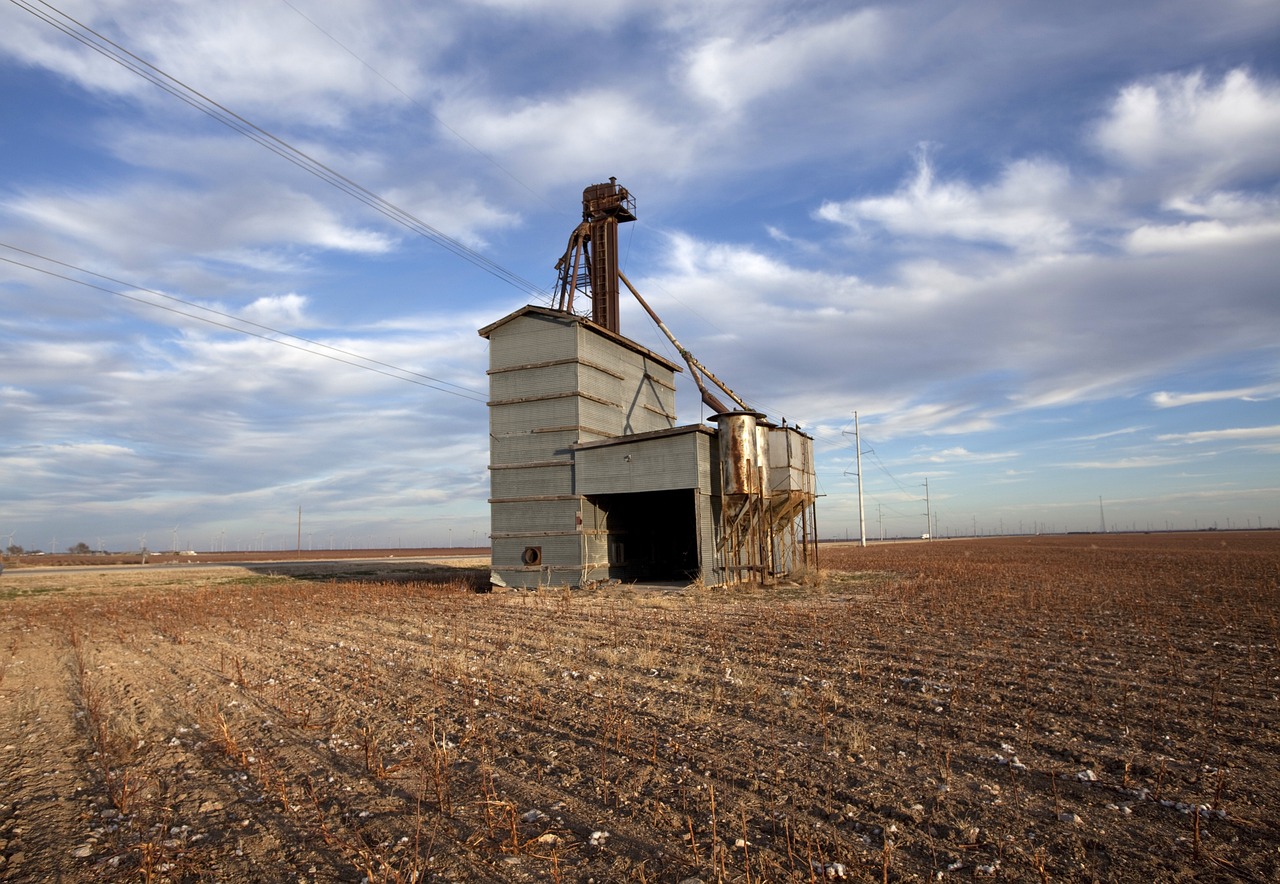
x=695, y=367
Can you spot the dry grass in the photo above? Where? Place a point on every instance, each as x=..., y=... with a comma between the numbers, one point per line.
x=1047, y=709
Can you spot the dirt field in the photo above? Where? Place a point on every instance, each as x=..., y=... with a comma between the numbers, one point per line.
x=1025, y=709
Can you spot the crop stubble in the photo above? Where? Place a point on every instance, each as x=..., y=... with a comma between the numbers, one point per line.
x=1050, y=708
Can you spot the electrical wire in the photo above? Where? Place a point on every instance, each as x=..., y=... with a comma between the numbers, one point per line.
x=90, y=38
x=116, y=53
x=885, y=470
x=337, y=354
x=422, y=107
x=872, y=453
x=113, y=51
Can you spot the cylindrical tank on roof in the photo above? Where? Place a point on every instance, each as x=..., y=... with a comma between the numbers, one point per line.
x=739, y=452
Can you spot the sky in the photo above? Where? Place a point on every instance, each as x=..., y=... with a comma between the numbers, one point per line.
x=1033, y=245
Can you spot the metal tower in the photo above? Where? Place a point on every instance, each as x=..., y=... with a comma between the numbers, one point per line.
x=590, y=263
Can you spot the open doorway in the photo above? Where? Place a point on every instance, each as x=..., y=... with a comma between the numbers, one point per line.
x=652, y=535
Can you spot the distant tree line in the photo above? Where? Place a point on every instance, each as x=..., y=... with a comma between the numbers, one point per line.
x=80, y=549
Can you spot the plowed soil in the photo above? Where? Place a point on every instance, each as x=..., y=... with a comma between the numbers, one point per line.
x=1077, y=708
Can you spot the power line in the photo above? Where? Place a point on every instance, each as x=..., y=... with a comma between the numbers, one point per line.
x=422, y=107
x=892, y=478
x=365, y=362
x=113, y=51
x=885, y=470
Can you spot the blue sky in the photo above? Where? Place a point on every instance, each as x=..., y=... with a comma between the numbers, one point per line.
x=1034, y=245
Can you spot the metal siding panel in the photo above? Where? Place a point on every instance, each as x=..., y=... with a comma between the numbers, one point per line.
x=593, y=518
x=608, y=418
x=790, y=461
x=548, y=379
x=633, y=391
x=708, y=538
x=533, y=516
x=561, y=561
x=662, y=464
x=650, y=399
x=514, y=448
x=602, y=350
x=528, y=339
x=531, y=481
x=528, y=416
x=708, y=504
x=601, y=384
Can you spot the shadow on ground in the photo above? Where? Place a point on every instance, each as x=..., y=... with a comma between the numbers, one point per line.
x=468, y=574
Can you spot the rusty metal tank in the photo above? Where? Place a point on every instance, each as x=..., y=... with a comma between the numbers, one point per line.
x=739, y=433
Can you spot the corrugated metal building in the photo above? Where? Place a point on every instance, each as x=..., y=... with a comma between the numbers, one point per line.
x=590, y=477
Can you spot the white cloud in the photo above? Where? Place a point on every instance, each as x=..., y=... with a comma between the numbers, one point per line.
x=140, y=220
x=1180, y=142
x=1150, y=239
x=456, y=209
x=559, y=139
x=1228, y=435
x=1125, y=463
x=962, y=454
x=246, y=55
x=92, y=450
x=1034, y=262
x=575, y=14
x=952, y=350
x=905, y=417
x=731, y=72
x=1094, y=437
x=1225, y=205
x=1261, y=393
x=1022, y=210
x=277, y=310
x=1201, y=134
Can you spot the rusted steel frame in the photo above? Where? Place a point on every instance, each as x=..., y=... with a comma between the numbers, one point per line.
x=603, y=266
x=569, y=278
x=695, y=367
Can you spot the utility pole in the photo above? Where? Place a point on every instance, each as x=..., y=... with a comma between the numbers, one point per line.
x=862, y=515
x=927, y=517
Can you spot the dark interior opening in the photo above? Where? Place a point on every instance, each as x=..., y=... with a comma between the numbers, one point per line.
x=652, y=535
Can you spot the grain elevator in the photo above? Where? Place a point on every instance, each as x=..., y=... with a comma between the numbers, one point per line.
x=591, y=477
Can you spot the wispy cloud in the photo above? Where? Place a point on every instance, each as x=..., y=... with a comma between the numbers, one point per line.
x=734, y=71
x=1094, y=437
x=959, y=454
x=1146, y=462
x=1261, y=393
x=1021, y=284
x=1228, y=435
